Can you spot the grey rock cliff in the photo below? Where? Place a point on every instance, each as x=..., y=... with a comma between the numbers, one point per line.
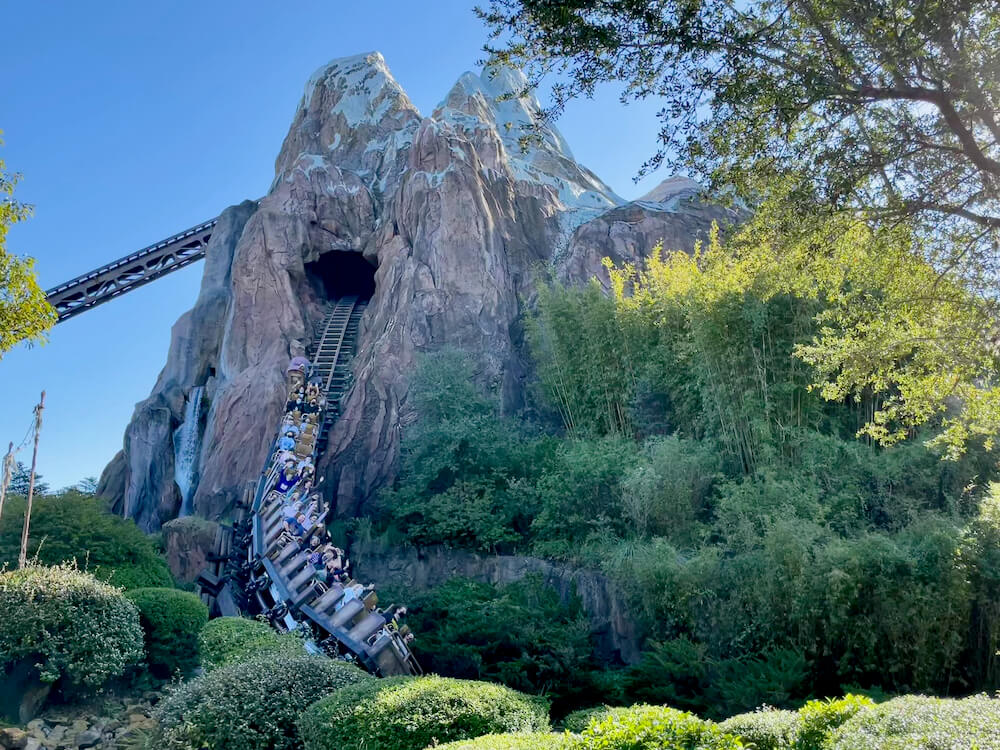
x=453, y=217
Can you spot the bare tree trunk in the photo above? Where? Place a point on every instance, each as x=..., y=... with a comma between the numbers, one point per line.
x=23, y=558
x=8, y=468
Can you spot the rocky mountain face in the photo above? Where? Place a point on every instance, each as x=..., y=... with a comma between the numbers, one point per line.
x=447, y=214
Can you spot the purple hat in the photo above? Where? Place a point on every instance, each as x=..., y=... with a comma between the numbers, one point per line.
x=298, y=363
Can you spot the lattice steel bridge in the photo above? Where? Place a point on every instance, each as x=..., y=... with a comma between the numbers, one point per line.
x=125, y=274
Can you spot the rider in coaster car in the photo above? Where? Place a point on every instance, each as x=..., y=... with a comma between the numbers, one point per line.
x=286, y=480
x=296, y=397
x=294, y=528
x=287, y=441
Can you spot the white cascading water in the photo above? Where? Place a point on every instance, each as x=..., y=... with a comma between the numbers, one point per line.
x=187, y=450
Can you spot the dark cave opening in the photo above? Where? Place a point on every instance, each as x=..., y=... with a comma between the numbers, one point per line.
x=338, y=274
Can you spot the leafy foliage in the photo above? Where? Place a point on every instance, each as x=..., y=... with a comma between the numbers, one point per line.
x=920, y=723
x=769, y=552
x=25, y=314
x=461, y=461
x=250, y=704
x=817, y=719
x=171, y=621
x=521, y=741
x=20, y=479
x=884, y=107
x=405, y=713
x=577, y=721
x=765, y=729
x=654, y=726
x=230, y=640
x=71, y=625
x=519, y=635
x=76, y=527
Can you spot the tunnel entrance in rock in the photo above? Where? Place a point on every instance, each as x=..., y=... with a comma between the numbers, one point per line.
x=338, y=274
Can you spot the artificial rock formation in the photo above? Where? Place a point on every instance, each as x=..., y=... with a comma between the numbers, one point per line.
x=453, y=217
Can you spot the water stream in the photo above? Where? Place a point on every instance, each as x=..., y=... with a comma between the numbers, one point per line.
x=187, y=450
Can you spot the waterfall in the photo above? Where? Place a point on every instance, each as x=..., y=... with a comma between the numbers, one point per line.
x=187, y=450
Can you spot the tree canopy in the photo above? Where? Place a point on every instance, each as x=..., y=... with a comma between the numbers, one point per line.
x=888, y=106
x=25, y=314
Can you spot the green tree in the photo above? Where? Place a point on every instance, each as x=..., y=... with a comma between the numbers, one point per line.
x=86, y=486
x=886, y=105
x=20, y=478
x=25, y=314
x=881, y=113
x=519, y=634
x=462, y=462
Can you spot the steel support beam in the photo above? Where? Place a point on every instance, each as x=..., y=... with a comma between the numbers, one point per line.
x=128, y=273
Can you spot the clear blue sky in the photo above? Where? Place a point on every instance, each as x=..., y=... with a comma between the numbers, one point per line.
x=132, y=121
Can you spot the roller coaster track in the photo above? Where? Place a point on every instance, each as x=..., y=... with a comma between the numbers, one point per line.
x=280, y=579
x=128, y=273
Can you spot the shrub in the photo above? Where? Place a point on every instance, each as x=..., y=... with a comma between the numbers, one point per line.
x=666, y=493
x=520, y=635
x=577, y=721
x=773, y=678
x=919, y=723
x=229, y=640
x=171, y=621
x=674, y=672
x=76, y=527
x=249, y=705
x=408, y=713
x=547, y=741
x=642, y=727
x=818, y=718
x=68, y=623
x=767, y=729
x=461, y=461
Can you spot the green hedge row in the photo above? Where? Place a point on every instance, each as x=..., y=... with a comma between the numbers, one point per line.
x=251, y=705
x=406, y=713
x=229, y=640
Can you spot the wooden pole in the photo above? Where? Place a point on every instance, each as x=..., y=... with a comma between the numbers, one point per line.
x=22, y=560
x=8, y=467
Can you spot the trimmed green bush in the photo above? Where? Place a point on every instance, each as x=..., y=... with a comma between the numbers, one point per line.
x=407, y=713
x=251, y=705
x=641, y=727
x=767, y=729
x=68, y=623
x=918, y=723
x=77, y=527
x=171, y=621
x=512, y=742
x=577, y=721
x=817, y=719
x=229, y=640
